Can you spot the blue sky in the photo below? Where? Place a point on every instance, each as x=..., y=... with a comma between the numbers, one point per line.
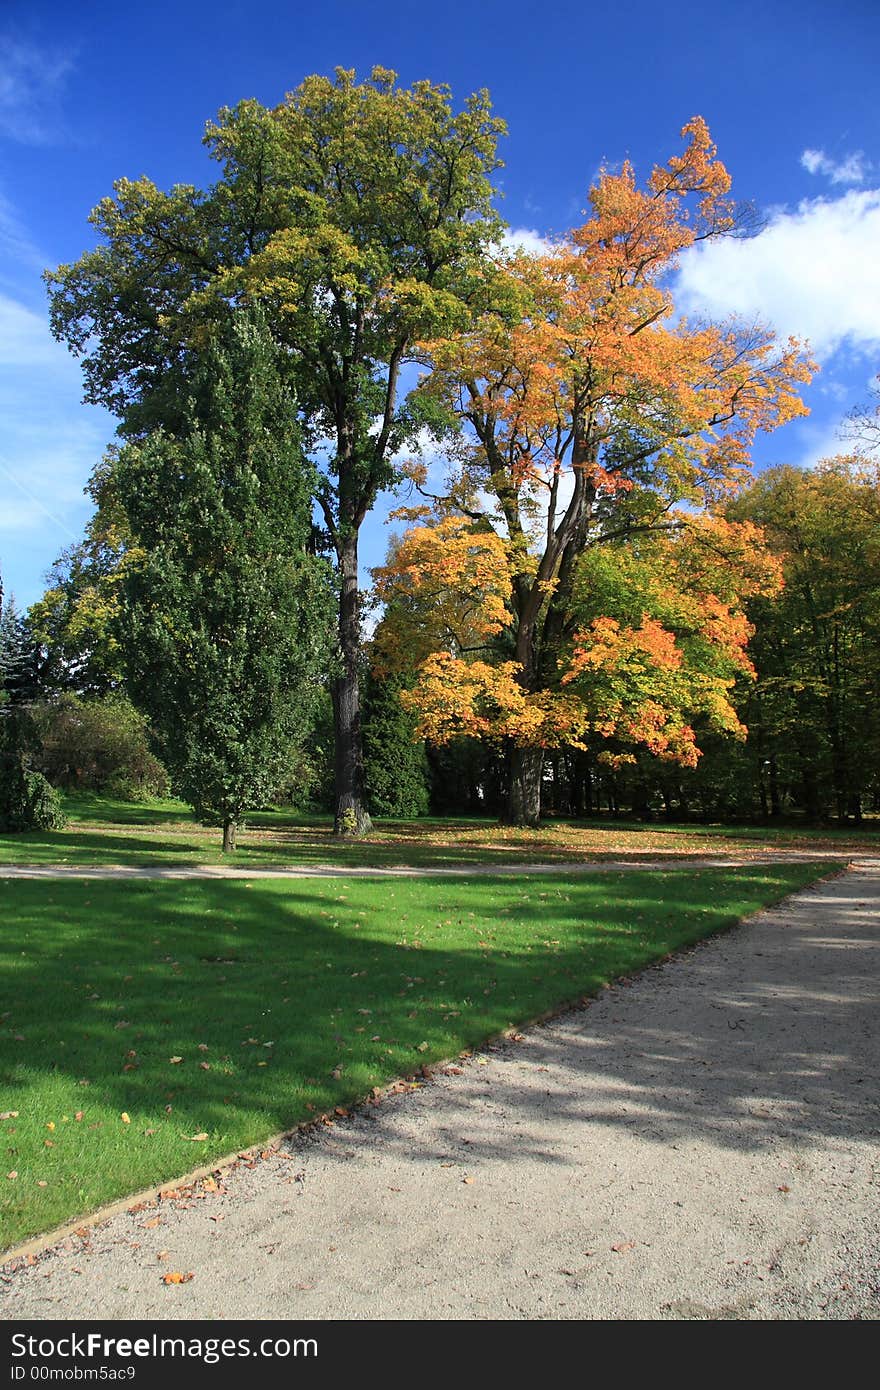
x=93, y=91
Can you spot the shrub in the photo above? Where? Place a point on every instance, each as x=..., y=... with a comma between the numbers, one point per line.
x=99, y=745
x=28, y=802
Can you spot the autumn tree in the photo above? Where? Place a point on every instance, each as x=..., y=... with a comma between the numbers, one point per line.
x=590, y=415
x=354, y=214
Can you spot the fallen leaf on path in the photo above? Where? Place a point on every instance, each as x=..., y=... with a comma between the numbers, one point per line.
x=623, y=1245
x=153, y=1222
x=175, y=1277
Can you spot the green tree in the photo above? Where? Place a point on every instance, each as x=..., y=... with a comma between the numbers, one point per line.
x=72, y=624
x=813, y=714
x=224, y=615
x=396, y=770
x=355, y=215
x=27, y=801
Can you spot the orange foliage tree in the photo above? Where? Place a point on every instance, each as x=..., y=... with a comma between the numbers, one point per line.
x=589, y=415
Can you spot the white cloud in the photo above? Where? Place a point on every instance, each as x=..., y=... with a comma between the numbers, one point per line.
x=812, y=273
x=852, y=169
x=525, y=239
x=31, y=83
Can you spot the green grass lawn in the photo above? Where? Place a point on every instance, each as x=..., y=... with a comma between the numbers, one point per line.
x=233, y=1010
x=106, y=831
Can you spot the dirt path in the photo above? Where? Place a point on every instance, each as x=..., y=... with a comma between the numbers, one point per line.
x=595, y=866
x=701, y=1142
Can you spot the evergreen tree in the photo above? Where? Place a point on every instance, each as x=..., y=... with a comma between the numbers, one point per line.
x=224, y=621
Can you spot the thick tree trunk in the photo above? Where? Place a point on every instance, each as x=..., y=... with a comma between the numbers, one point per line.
x=229, y=833
x=524, y=795
x=351, y=815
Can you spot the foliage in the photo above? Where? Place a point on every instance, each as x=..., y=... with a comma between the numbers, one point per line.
x=354, y=214
x=73, y=622
x=224, y=615
x=395, y=761
x=27, y=802
x=813, y=712
x=589, y=415
x=98, y=745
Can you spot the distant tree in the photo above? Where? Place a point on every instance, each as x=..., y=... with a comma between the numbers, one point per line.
x=72, y=623
x=396, y=773
x=812, y=715
x=27, y=801
x=100, y=744
x=224, y=615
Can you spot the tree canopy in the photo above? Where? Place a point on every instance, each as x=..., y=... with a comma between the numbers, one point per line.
x=355, y=215
x=590, y=415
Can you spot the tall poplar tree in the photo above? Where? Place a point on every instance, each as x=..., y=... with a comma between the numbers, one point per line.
x=224, y=615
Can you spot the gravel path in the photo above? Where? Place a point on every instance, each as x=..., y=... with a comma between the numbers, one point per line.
x=700, y=1142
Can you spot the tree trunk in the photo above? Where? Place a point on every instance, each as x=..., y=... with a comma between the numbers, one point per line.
x=524, y=794
x=229, y=832
x=351, y=815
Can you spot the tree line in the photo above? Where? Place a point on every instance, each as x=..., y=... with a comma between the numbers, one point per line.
x=590, y=600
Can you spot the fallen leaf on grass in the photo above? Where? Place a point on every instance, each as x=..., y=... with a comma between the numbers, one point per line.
x=8, y=1114
x=195, y=1138
x=79, y=1114
x=13, y=1175
x=205, y=1066
x=41, y=1183
x=175, y=1277
x=125, y=1117
x=175, y=1060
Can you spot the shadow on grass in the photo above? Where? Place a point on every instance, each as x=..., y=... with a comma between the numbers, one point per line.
x=310, y=994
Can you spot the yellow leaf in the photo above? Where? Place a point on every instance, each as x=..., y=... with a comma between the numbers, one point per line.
x=125, y=1118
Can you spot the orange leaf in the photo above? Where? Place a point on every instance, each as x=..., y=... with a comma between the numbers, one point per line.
x=175, y=1277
